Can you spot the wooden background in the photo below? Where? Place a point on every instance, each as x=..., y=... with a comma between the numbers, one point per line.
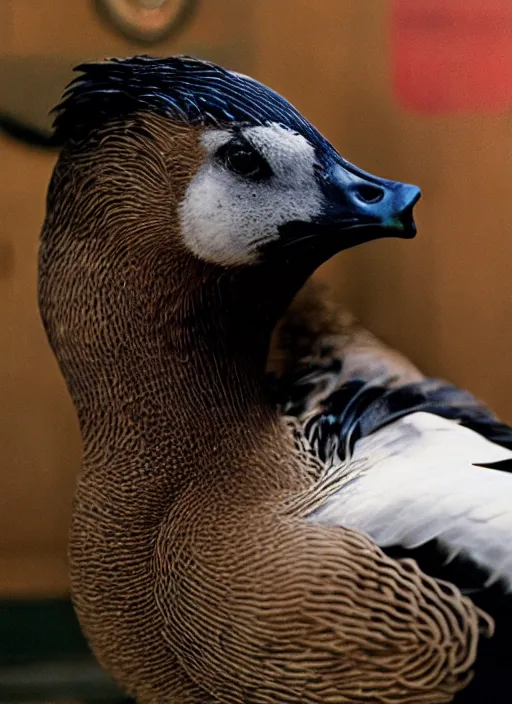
x=444, y=298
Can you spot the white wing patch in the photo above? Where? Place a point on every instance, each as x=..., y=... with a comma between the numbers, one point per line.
x=418, y=482
x=225, y=218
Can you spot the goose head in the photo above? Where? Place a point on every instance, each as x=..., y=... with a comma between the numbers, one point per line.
x=188, y=195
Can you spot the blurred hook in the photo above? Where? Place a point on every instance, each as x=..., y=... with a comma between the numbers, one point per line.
x=27, y=134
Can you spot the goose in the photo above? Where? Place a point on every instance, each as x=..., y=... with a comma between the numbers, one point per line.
x=429, y=464
x=187, y=207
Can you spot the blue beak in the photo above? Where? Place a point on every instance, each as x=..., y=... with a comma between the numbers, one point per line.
x=358, y=208
x=356, y=199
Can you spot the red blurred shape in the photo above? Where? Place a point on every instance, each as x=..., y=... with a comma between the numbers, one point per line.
x=452, y=55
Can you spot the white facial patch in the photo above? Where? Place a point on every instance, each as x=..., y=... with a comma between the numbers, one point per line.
x=226, y=217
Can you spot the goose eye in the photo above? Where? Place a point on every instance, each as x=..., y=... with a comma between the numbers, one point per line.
x=242, y=159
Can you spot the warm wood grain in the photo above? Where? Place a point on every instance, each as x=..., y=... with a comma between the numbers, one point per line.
x=445, y=298
x=39, y=441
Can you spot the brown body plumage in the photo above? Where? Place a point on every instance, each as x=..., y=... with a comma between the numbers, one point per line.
x=195, y=575
x=317, y=330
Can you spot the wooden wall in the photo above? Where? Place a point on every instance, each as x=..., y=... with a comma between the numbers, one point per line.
x=445, y=298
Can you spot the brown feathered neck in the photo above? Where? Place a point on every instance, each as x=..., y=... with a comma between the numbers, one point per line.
x=161, y=351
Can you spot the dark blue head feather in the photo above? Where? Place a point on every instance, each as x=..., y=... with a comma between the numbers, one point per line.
x=182, y=88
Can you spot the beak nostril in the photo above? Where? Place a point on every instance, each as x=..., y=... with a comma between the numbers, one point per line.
x=369, y=193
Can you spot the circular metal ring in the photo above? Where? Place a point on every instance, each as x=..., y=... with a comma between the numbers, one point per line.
x=146, y=21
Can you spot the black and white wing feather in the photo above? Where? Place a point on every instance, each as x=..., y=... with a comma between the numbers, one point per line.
x=424, y=478
x=429, y=461
x=428, y=465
